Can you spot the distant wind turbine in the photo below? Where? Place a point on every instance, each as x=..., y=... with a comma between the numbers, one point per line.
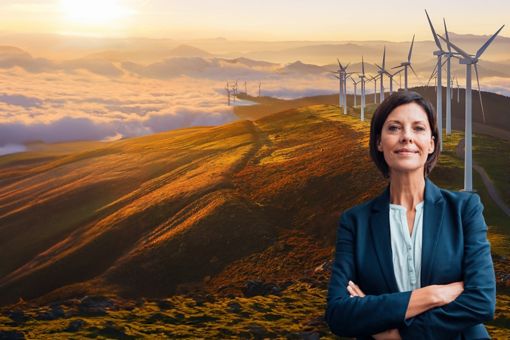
x=407, y=64
x=448, y=55
x=362, y=80
x=468, y=60
x=228, y=94
x=259, y=87
x=381, y=72
x=355, y=83
x=439, y=93
x=374, y=79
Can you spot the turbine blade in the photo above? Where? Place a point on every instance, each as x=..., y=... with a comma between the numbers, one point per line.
x=432, y=75
x=412, y=69
x=446, y=35
x=438, y=43
x=480, y=93
x=410, y=51
x=397, y=67
x=362, y=66
x=339, y=65
x=484, y=47
x=457, y=48
x=346, y=66
x=384, y=57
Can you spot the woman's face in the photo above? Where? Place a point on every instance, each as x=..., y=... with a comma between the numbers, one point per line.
x=406, y=139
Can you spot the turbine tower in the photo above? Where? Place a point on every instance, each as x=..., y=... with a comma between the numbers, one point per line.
x=468, y=60
x=259, y=87
x=362, y=80
x=439, y=93
x=407, y=64
x=458, y=90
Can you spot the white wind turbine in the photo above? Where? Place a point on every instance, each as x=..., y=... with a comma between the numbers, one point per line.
x=468, y=60
x=448, y=55
x=259, y=87
x=374, y=79
x=390, y=76
x=407, y=64
x=362, y=80
x=381, y=72
x=355, y=84
x=339, y=75
x=345, y=76
x=439, y=92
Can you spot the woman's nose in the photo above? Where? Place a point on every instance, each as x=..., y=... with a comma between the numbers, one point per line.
x=406, y=135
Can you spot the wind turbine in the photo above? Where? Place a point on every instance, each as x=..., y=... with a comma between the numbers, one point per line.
x=374, y=79
x=355, y=83
x=339, y=75
x=234, y=89
x=259, y=87
x=245, y=88
x=381, y=72
x=345, y=76
x=362, y=80
x=407, y=64
x=391, y=75
x=468, y=60
x=439, y=102
x=228, y=94
x=448, y=55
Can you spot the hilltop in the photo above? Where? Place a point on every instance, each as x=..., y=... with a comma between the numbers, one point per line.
x=230, y=228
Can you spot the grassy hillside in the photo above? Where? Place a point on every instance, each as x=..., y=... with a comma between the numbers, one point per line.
x=208, y=231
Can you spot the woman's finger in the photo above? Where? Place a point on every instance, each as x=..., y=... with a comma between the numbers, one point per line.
x=358, y=290
x=351, y=291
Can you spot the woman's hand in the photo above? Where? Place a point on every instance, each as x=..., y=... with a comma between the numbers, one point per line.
x=445, y=294
x=391, y=334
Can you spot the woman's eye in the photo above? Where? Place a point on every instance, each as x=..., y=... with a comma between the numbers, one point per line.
x=393, y=128
x=420, y=128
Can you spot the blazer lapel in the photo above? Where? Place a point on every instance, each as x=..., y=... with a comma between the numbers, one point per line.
x=381, y=236
x=433, y=212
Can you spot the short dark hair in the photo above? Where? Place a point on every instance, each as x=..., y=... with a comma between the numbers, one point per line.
x=383, y=111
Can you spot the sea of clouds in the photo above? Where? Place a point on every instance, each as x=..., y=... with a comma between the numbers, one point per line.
x=43, y=100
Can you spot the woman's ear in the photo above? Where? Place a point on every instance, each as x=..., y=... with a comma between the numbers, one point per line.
x=379, y=146
x=432, y=144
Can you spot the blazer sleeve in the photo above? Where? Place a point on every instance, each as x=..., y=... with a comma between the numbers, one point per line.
x=357, y=316
x=477, y=302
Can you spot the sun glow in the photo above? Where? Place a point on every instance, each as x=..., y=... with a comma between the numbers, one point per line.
x=94, y=12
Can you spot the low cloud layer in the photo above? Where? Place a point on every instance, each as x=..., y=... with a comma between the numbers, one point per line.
x=48, y=101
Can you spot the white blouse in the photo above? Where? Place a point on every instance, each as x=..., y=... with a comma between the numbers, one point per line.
x=406, y=249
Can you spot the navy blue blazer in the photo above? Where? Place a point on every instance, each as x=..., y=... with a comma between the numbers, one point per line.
x=454, y=248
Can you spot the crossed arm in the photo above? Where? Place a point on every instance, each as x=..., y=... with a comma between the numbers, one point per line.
x=432, y=309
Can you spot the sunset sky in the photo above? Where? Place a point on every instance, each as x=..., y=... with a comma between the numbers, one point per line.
x=251, y=20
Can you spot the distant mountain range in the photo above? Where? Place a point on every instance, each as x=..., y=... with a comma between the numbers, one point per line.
x=194, y=62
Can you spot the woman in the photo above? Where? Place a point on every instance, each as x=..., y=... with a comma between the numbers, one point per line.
x=414, y=262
